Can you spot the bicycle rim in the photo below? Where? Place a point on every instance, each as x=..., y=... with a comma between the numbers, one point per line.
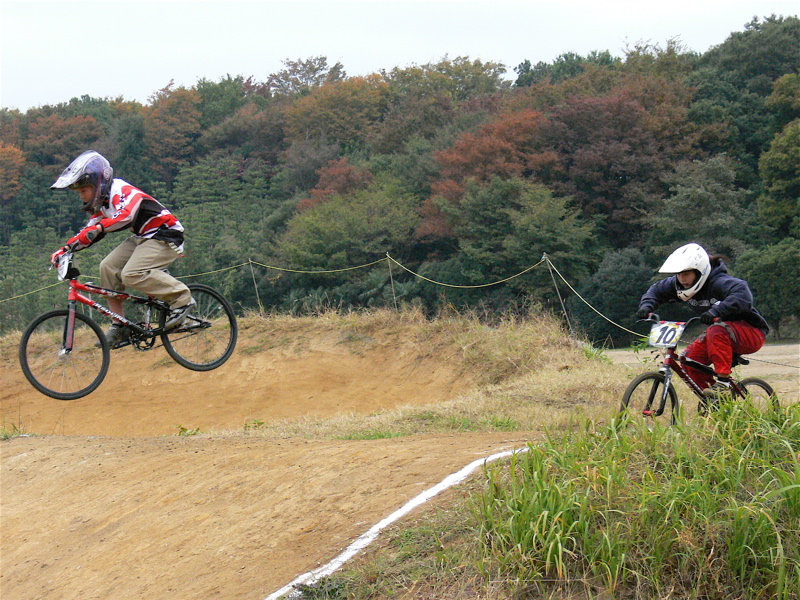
x=644, y=396
x=59, y=373
x=208, y=336
x=760, y=394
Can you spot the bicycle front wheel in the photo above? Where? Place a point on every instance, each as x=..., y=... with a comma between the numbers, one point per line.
x=208, y=336
x=760, y=393
x=645, y=398
x=54, y=368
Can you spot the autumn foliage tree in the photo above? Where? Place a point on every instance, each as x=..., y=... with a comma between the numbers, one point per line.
x=338, y=177
x=448, y=165
x=53, y=141
x=344, y=112
x=12, y=161
x=172, y=125
x=509, y=146
x=608, y=161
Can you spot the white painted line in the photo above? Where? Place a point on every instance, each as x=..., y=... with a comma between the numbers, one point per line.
x=367, y=538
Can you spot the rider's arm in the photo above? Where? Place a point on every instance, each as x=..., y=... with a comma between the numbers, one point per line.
x=137, y=210
x=735, y=298
x=92, y=232
x=660, y=292
x=126, y=203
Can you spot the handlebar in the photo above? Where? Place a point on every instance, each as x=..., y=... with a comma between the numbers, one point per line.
x=654, y=318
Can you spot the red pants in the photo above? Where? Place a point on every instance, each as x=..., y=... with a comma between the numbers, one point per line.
x=718, y=344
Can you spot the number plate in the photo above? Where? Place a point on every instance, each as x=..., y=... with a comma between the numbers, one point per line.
x=665, y=334
x=64, y=262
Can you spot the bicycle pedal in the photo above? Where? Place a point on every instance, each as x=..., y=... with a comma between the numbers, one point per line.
x=647, y=413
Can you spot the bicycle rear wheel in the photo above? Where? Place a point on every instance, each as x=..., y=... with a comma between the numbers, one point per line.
x=208, y=336
x=644, y=395
x=55, y=371
x=760, y=393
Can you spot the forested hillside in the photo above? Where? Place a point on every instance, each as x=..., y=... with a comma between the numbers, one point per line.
x=458, y=170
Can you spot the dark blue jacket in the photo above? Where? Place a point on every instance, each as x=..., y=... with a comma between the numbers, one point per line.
x=723, y=295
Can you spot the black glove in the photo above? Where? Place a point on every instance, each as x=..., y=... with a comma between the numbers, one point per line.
x=643, y=312
x=707, y=318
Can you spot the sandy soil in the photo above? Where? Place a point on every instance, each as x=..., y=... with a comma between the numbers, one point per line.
x=197, y=517
x=106, y=502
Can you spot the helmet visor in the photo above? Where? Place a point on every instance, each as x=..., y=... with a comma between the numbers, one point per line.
x=81, y=170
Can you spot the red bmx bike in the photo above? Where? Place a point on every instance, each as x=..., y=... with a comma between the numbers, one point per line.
x=65, y=354
x=653, y=394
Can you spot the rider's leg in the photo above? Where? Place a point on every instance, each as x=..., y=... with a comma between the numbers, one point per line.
x=698, y=351
x=111, y=272
x=720, y=349
x=117, y=306
x=728, y=337
x=144, y=271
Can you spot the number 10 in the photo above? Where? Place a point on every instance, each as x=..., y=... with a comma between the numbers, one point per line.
x=666, y=335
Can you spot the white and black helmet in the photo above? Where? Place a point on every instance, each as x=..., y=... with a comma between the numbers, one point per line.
x=688, y=257
x=90, y=168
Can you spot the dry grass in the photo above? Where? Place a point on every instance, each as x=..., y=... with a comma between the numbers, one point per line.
x=9, y=344
x=528, y=373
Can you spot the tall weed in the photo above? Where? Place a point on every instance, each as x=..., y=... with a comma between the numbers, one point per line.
x=708, y=511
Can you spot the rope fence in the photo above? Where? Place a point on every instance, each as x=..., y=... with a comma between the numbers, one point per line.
x=36, y=291
x=389, y=261
x=463, y=287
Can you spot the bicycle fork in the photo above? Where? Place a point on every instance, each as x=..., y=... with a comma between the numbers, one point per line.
x=68, y=339
x=662, y=403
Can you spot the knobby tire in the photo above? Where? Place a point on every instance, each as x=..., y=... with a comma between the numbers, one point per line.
x=208, y=336
x=64, y=376
x=644, y=393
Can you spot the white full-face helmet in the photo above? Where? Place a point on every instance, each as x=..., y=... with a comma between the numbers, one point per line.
x=689, y=257
x=90, y=168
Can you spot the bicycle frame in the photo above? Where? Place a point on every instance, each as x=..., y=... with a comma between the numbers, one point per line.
x=75, y=297
x=677, y=363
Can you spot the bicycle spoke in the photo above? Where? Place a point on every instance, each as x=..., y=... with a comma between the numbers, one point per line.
x=647, y=399
x=56, y=372
x=208, y=337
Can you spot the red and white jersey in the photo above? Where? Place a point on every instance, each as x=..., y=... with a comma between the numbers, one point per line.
x=130, y=207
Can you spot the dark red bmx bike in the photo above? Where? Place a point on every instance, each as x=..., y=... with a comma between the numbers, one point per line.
x=653, y=394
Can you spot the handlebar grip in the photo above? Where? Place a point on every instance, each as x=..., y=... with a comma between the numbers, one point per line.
x=652, y=318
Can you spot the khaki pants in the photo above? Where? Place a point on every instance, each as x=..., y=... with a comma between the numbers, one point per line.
x=138, y=263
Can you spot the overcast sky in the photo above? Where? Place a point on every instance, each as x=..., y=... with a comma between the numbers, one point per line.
x=52, y=51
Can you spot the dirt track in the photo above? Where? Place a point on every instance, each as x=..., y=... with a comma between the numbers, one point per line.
x=97, y=505
x=201, y=517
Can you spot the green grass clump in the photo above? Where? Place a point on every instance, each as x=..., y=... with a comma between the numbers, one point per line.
x=707, y=512
x=372, y=434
